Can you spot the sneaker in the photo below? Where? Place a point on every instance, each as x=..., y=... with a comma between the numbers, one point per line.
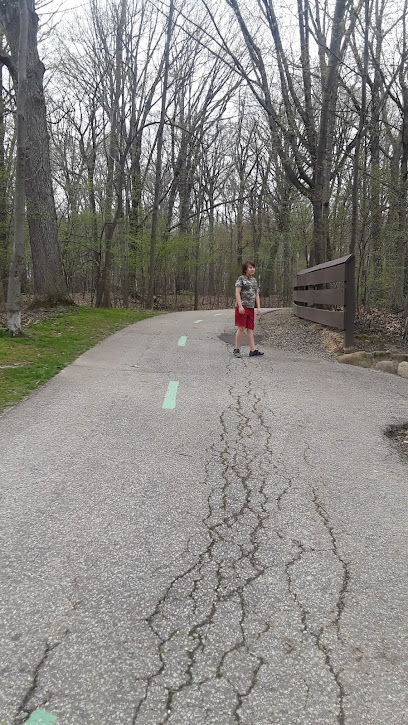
x=237, y=352
x=255, y=353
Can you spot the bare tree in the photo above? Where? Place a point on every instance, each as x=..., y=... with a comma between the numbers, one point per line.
x=159, y=146
x=104, y=293
x=4, y=236
x=215, y=169
x=309, y=98
x=49, y=282
x=400, y=291
x=116, y=64
x=14, y=283
x=362, y=107
x=244, y=162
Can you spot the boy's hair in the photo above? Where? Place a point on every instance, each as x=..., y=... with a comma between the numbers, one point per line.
x=247, y=264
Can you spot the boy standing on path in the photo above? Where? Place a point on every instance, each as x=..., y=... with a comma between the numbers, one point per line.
x=246, y=295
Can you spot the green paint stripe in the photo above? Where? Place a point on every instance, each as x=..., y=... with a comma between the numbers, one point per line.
x=197, y=321
x=40, y=717
x=182, y=341
x=170, y=399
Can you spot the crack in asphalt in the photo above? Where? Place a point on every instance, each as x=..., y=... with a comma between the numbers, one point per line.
x=239, y=503
x=239, y=500
x=24, y=710
x=340, y=604
x=304, y=613
x=292, y=591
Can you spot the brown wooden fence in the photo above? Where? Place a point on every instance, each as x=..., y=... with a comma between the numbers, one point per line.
x=313, y=298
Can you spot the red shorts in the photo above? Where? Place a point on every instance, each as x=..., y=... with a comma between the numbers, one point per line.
x=247, y=319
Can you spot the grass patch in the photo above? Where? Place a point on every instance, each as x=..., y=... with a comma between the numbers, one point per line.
x=51, y=343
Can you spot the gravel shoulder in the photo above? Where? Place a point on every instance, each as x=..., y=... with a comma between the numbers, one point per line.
x=283, y=330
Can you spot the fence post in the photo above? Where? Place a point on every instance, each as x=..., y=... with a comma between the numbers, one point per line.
x=349, y=302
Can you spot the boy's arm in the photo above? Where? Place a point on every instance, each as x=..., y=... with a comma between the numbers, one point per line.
x=238, y=299
x=258, y=303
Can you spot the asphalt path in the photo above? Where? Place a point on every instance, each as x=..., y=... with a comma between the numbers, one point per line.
x=236, y=556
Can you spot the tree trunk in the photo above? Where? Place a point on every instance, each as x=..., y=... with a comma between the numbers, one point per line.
x=49, y=282
x=240, y=224
x=125, y=278
x=211, y=245
x=377, y=259
x=14, y=284
x=401, y=294
x=157, y=183
x=324, y=151
x=136, y=189
x=197, y=232
x=3, y=194
x=103, y=298
x=399, y=210
x=362, y=120
x=88, y=156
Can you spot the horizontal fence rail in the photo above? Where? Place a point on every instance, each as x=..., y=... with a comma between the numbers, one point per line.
x=312, y=297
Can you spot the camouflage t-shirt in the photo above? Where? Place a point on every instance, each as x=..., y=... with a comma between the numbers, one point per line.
x=249, y=288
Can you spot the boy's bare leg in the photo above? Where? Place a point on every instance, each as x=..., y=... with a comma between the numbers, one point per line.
x=251, y=341
x=238, y=337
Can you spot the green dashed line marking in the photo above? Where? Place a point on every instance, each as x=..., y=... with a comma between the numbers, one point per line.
x=197, y=321
x=182, y=341
x=40, y=717
x=170, y=399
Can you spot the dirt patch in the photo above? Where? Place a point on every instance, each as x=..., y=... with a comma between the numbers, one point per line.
x=376, y=329
x=399, y=435
x=30, y=315
x=333, y=341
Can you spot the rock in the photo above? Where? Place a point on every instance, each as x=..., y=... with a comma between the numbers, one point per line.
x=403, y=369
x=385, y=360
x=387, y=366
x=390, y=355
x=364, y=359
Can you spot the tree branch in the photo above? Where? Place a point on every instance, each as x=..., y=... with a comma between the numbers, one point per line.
x=8, y=62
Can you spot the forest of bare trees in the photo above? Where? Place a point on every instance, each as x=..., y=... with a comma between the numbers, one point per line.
x=165, y=142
